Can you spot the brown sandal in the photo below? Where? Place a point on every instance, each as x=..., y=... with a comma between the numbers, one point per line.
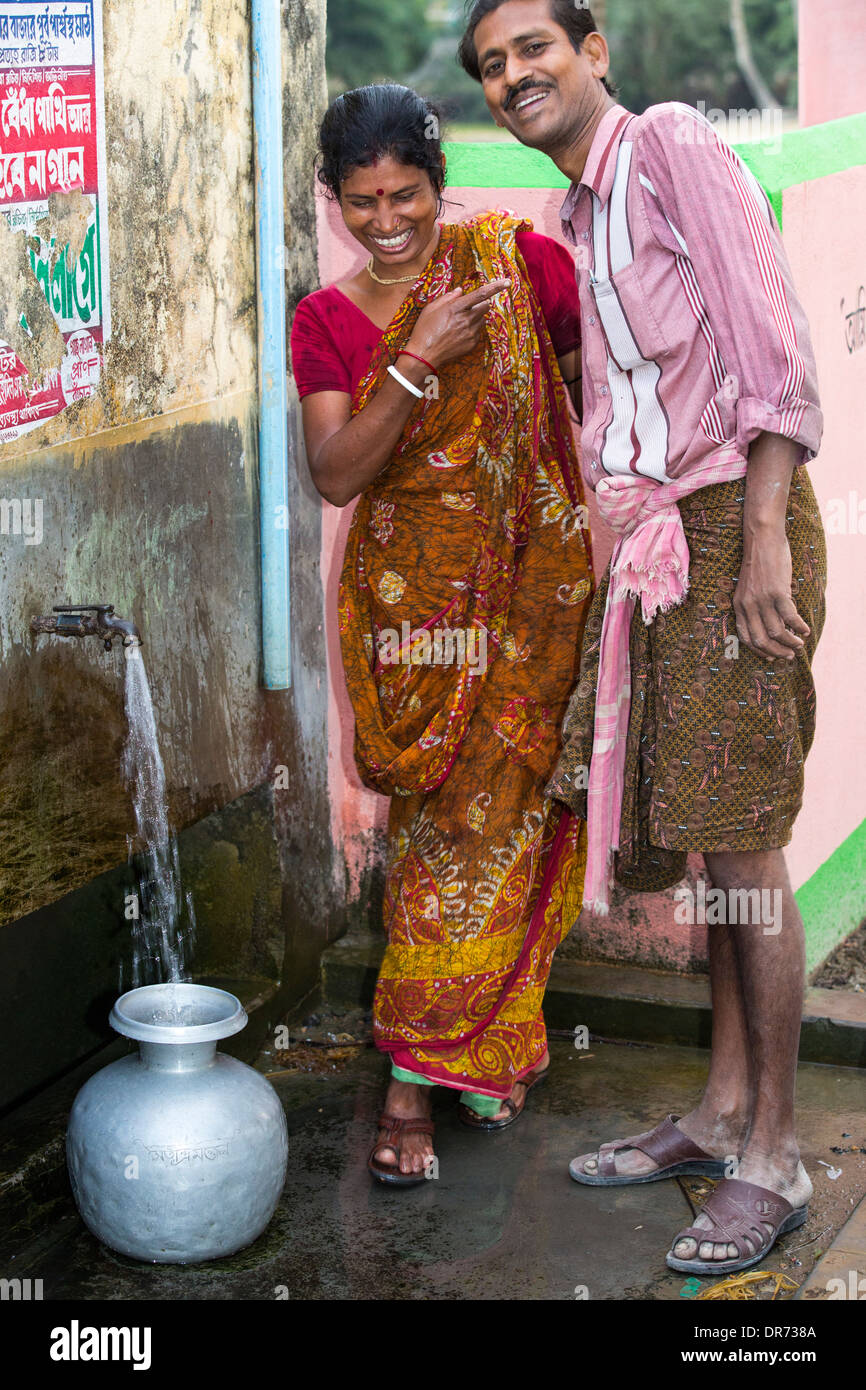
x=676, y=1154
x=476, y=1121
x=396, y=1126
x=739, y=1210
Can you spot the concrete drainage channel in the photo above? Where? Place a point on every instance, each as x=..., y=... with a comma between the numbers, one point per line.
x=627, y=1002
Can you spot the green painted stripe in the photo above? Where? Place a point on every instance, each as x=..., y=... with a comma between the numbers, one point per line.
x=833, y=900
x=491, y=164
x=799, y=157
x=804, y=155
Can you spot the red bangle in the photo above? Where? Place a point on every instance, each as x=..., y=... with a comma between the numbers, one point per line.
x=423, y=360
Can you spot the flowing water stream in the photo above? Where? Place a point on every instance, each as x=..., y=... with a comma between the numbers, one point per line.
x=162, y=944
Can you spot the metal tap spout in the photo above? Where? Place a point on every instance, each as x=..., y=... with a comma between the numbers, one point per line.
x=87, y=620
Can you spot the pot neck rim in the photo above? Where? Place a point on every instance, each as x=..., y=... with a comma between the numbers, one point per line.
x=179, y=1014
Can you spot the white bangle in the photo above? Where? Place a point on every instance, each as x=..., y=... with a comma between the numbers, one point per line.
x=398, y=376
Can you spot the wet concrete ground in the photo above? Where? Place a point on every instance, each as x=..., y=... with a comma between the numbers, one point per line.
x=502, y=1221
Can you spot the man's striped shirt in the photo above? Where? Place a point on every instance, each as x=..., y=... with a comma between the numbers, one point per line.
x=693, y=335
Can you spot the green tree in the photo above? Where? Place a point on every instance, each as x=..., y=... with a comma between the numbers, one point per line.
x=375, y=41
x=662, y=50
x=772, y=26
x=684, y=50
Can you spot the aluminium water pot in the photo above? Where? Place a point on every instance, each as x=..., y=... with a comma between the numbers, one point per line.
x=177, y=1154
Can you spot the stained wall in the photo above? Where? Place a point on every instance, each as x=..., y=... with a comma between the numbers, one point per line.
x=149, y=499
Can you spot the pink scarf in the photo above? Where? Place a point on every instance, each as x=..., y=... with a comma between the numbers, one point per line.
x=650, y=562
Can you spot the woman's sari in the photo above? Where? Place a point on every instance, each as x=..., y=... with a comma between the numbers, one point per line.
x=472, y=543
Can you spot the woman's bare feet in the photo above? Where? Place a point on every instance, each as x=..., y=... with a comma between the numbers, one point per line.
x=786, y=1177
x=408, y=1101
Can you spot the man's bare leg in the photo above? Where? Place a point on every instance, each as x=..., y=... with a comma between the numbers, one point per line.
x=720, y=1120
x=772, y=972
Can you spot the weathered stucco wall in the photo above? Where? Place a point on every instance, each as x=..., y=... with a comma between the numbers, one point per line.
x=178, y=113
x=150, y=502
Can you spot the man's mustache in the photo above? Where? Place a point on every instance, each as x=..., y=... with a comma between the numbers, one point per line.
x=527, y=86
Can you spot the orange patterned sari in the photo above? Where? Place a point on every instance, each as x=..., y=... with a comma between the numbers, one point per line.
x=471, y=536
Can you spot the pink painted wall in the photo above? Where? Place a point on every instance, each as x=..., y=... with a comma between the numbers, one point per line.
x=831, y=213
x=832, y=59
x=641, y=928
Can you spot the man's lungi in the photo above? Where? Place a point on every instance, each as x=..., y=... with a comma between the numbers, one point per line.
x=717, y=735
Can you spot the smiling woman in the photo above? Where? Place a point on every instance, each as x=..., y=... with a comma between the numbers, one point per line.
x=432, y=388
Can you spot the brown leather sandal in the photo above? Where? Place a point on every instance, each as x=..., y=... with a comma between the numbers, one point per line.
x=738, y=1210
x=396, y=1126
x=473, y=1120
x=676, y=1154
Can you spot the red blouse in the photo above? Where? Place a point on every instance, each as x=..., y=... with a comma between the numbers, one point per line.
x=333, y=340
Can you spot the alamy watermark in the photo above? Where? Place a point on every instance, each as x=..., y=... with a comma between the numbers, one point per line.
x=712, y=907
x=854, y=1289
x=22, y=516
x=740, y=125
x=77, y=1343
x=846, y=516
x=441, y=646
x=20, y=1290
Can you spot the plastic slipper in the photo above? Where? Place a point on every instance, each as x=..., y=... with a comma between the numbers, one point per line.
x=676, y=1154
x=738, y=1210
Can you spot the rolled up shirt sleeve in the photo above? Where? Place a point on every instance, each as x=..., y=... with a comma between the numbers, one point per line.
x=705, y=204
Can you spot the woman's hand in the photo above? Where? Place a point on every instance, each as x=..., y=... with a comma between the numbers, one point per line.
x=345, y=452
x=450, y=326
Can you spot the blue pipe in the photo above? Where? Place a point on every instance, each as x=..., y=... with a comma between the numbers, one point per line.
x=271, y=306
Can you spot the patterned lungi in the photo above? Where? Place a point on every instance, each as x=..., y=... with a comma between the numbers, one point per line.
x=718, y=736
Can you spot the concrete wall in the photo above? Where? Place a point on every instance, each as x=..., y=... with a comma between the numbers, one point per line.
x=823, y=204
x=150, y=502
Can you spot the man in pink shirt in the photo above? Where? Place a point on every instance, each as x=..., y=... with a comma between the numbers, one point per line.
x=694, y=712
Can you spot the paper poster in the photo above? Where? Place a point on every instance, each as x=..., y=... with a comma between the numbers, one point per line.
x=52, y=143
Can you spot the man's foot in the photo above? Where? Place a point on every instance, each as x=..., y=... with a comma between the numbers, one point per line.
x=519, y=1092
x=407, y=1100
x=721, y=1139
x=788, y=1179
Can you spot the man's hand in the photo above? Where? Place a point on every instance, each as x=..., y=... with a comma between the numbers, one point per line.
x=767, y=618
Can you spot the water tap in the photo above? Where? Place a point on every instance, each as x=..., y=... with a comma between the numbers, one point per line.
x=87, y=620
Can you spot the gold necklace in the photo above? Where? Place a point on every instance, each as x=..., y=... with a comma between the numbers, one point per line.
x=403, y=280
